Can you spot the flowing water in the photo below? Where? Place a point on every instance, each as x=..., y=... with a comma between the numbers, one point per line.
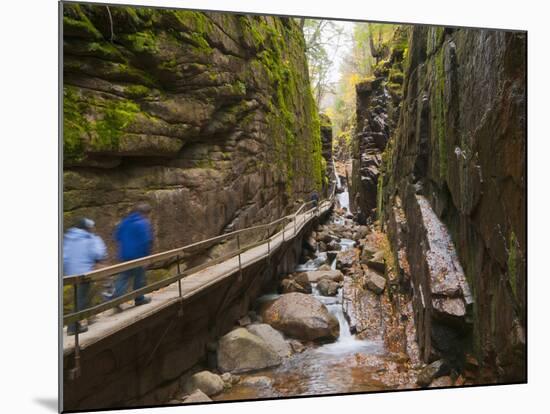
x=347, y=365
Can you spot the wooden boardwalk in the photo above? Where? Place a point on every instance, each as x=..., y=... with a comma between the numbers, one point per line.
x=108, y=322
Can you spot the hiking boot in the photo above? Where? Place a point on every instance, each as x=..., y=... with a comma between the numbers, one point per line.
x=144, y=301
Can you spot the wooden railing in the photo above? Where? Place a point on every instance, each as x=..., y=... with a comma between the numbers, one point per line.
x=305, y=212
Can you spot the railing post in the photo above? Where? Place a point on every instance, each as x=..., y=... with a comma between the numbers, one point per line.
x=75, y=372
x=180, y=312
x=240, y=263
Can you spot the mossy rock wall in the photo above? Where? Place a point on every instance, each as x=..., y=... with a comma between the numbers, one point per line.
x=207, y=116
x=461, y=143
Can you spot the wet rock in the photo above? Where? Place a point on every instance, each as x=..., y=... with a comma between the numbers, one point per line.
x=197, y=397
x=297, y=346
x=311, y=244
x=205, y=381
x=445, y=381
x=326, y=237
x=273, y=338
x=241, y=351
x=227, y=377
x=301, y=279
x=290, y=285
x=301, y=316
x=316, y=275
x=260, y=381
x=346, y=259
x=245, y=321
x=334, y=245
x=375, y=282
x=322, y=246
x=254, y=317
x=331, y=255
x=377, y=262
x=430, y=372
x=328, y=287
x=325, y=267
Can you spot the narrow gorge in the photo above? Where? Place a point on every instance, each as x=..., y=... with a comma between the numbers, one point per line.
x=414, y=276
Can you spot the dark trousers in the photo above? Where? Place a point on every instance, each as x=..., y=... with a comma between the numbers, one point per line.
x=82, y=301
x=122, y=281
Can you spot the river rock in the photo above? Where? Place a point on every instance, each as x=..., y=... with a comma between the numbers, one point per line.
x=197, y=396
x=310, y=244
x=273, y=338
x=260, y=381
x=245, y=321
x=326, y=237
x=445, y=381
x=327, y=287
x=205, y=381
x=331, y=255
x=346, y=259
x=325, y=267
x=316, y=275
x=290, y=285
x=241, y=351
x=302, y=316
x=377, y=262
x=322, y=246
x=375, y=282
x=367, y=253
x=334, y=245
x=301, y=279
x=297, y=346
x=430, y=372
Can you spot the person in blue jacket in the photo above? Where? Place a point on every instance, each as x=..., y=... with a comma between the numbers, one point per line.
x=134, y=236
x=82, y=249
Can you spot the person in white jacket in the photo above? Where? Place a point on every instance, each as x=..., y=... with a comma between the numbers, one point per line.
x=82, y=249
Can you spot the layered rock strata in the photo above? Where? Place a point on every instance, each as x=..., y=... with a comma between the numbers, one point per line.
x=207, y=116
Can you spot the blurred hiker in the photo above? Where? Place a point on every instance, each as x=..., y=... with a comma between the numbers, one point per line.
x=134, y=236
x=315, y=198
x=82, y=249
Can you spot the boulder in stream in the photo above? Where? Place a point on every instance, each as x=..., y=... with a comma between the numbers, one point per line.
x=205, y=381
x=273, y=338
x=334, y=245
x=302, y=316
x=241, y=351
x=297, y=346
x=197, y=396
x=328, y=287
x=331, y=255
x=315, y=275
x=301, y=279
x=289, y=286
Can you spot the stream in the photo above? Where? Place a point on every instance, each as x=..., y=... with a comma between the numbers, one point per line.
x=345, y=366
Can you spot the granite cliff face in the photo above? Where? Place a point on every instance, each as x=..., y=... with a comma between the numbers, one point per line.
x=452, y=195
x=377, y=111
x=206, y=116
